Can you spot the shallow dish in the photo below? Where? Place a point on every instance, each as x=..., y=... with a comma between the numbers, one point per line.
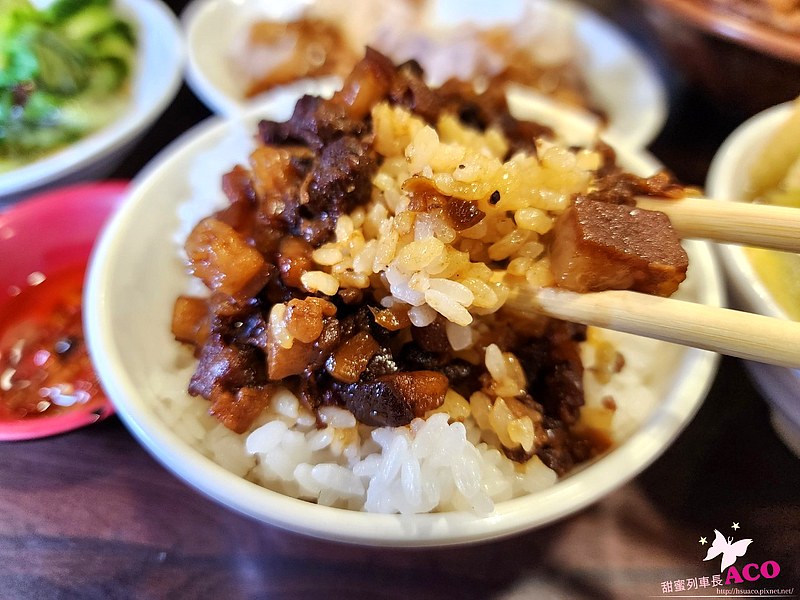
x=728, y=178
x=48, y=234
x=620, y=79
x=136, y=274
x=156, y=79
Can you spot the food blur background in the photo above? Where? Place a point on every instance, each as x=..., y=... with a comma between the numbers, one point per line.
x=89, y=514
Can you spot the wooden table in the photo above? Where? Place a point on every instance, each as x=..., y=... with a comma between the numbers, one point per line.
x=90, y=514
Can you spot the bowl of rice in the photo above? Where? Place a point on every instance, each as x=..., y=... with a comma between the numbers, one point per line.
x=308, y=324
x=556, y=52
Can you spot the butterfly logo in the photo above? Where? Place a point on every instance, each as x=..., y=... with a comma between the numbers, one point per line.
x=729, y=549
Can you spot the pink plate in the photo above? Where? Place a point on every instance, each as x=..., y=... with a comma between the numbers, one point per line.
x=48, y=233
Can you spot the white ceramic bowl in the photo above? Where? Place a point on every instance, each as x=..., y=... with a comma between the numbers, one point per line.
x=158, y=75
x=728, y=179
x=620, y=78
x=136, y=274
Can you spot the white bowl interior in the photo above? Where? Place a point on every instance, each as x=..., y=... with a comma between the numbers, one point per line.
x=136, y=274
x=158, y=75
x=618, y=75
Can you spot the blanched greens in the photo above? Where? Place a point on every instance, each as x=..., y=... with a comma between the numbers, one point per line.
x=62, y=68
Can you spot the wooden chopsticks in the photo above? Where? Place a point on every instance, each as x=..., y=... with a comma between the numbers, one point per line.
x=731, y=332
x=762, y=225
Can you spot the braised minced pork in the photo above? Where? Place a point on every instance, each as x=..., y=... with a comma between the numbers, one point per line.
x=273, y=317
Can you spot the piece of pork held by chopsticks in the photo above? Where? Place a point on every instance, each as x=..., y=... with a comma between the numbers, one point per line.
x=623, y=250
x=603, y=246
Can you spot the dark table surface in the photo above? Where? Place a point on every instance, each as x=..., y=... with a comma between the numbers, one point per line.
x=90, y=514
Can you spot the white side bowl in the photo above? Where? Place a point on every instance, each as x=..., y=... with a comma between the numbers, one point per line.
x=619, y=77
x=158, y=75
x=728, y=179
x=136, y=274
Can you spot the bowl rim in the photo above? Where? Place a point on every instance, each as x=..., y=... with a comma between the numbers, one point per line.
x=754, y=34
x=694, y=378
x=780, y=385
x=128, y=125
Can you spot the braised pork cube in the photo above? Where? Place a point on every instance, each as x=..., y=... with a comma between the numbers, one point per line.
x=237, y=184
x=285, y=356
x=394, y=399
x=223, y=260
x=294, y=259
x=226, y=366
x=285, y=362
x=190, y=320
x=314, y=123
x=367, y=84
x=352, y=356
x=600, y=246
x=238, y=410
x=295, y=333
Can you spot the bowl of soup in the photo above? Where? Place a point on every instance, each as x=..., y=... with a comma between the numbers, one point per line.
x=760, y=162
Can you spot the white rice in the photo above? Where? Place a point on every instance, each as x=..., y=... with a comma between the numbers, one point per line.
x=430, y=465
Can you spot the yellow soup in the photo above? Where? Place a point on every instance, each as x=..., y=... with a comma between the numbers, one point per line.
x=775, y=179
x=780, y=272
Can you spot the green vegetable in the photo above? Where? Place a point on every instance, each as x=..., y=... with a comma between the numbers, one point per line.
x=86, y=25
x=59, y=11
x=61, y=68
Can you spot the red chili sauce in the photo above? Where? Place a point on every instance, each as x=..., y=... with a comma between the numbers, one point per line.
x=44, y=364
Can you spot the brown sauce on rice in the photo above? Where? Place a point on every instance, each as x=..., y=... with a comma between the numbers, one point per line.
x=368, y=248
